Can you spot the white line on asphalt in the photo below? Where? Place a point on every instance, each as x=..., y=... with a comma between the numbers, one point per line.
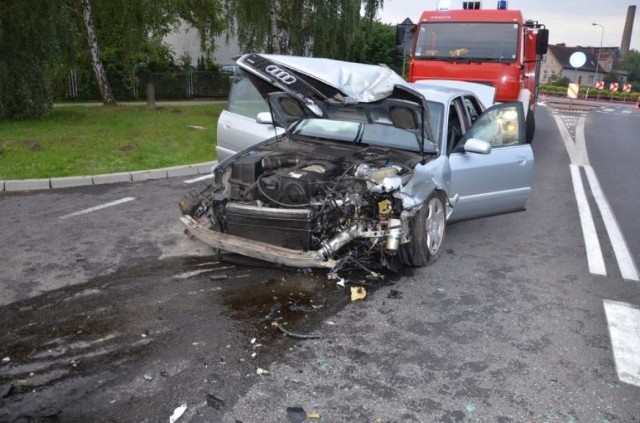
x=626, y=263
x=566, y=138
x=591, y=242
x=624, y=329
x=96, y=208
x=199, y=178
x=581, y=143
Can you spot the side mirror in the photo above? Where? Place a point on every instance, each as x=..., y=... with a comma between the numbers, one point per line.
x=264, y=117
x=474, y=145
x=542, y=42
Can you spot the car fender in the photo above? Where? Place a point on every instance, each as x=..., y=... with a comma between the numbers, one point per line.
x=428, y=177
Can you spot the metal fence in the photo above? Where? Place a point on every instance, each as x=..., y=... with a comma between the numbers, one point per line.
x=167, y=86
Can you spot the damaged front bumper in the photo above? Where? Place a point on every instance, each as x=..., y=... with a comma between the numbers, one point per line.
x=256, y=249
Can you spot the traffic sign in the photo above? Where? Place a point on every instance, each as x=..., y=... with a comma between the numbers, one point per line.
x=599, y=85
x=613, y=86
x=578, y=59
x=572, y=91
x=626, y=88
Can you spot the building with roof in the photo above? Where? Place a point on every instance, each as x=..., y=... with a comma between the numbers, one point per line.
x=556, y=62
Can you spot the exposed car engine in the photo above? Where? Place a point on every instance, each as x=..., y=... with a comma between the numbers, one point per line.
x=310, y=196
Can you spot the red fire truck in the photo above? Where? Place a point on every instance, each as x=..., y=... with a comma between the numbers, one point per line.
x=488, y=46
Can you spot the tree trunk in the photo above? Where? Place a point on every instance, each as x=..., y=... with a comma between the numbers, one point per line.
x=274, y=13
x=98, y=67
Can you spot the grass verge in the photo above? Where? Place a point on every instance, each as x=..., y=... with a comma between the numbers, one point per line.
x=79, y=140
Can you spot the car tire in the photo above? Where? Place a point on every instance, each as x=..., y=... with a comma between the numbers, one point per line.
x=530, y=126
x=426, y=233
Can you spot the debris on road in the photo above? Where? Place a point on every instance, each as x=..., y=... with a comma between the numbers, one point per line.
x=177, y=413
x=218, y=277
x=147, y=377
x=295, y=335
x=358, y=293
x=6, y=360
x=313, y=415
x=296, y=414
x=215, y=402
x=262, y=372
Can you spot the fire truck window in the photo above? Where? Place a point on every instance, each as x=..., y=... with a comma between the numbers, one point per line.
x=467, y=40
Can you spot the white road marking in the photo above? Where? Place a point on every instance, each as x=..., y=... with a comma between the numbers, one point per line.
x=626, y=263
x=199, y=178
x=581, y=144
x=566, y=138
x=591, y=242
x=96, y=208
x=624, y=329
x=609, y=110
x=626, y=112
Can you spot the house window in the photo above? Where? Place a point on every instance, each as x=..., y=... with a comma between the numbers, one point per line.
x=545, y=75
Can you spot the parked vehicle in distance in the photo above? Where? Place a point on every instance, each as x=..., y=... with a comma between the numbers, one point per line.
x=369, y=168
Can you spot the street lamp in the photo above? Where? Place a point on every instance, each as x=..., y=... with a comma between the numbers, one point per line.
x=598, y=59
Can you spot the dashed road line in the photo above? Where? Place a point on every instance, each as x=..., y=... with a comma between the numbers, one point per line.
x=624, y=329
x=99, y=207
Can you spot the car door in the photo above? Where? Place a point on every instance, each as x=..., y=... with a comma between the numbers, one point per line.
x=499, y=181
x=238, y=127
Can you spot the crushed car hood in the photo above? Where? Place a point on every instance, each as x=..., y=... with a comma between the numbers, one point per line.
x=354, y=82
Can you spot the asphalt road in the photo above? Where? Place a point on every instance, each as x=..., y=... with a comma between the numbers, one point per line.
x=115, y=315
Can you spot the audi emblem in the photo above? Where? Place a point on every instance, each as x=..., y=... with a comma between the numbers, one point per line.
x=282, y=75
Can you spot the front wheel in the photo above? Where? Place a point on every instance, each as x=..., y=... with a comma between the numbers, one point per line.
x=426, y=233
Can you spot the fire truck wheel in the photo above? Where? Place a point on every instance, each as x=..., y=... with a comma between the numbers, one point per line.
x=530, y=126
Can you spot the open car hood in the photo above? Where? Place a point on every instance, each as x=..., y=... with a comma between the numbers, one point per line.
x=323, y=79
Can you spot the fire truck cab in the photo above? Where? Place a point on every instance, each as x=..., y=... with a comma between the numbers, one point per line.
x=496, y=47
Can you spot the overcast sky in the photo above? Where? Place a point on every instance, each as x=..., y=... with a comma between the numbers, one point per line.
x=569, y=21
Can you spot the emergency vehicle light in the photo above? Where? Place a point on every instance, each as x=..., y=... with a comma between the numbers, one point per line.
x=471, y=5
x=502, y=4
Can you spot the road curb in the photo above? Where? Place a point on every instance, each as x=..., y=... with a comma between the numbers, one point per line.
x=110, y=178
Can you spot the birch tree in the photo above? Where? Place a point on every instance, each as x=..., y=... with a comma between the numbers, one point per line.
x=98, y=67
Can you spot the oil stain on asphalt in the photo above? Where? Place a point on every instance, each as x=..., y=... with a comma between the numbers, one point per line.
x=135, y=344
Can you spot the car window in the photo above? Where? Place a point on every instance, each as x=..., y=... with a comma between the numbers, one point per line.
x=473, y=108
x=500, y=127
x=455, y=126
x=244, y=98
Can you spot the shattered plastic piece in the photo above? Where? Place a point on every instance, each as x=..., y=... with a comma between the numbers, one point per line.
x=6, y=360
x=330, y=322
x=341, y=283
x=215, y=402
x=295, y=335
x=253, y=340
x=358, y=293
x=313, y=415
x=296, y=414
x=164, y=374
x=148, y=377
x=262, y=372
x=177, y=413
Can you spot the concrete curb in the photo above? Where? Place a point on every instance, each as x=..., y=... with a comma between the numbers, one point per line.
x=111, y=178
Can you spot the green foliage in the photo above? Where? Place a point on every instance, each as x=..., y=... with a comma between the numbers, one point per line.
x=380, y=46
x=557, y=81
x=322, y=28
x=631, y=63
x=32, y=35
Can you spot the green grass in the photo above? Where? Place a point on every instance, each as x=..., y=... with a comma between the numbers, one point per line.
x=78, y=140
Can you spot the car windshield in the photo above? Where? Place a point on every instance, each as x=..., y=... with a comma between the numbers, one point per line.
x=378, y=134
x=482, y=41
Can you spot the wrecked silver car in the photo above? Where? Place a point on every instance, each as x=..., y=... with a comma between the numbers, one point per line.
x=363, y=172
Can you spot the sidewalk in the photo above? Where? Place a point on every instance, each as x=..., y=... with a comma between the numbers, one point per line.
x=134, y=176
